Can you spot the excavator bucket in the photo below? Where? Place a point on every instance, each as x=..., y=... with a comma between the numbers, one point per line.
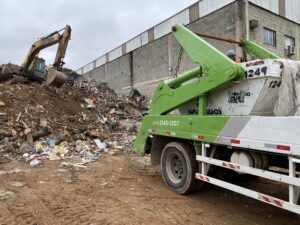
x=55, y=78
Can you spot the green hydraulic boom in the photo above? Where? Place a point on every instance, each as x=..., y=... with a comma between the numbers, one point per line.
x=215, y=70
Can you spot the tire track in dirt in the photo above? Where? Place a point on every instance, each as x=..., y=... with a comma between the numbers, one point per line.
x=3, y=211
x=30, y=209
x=5, y=217
x=77, y=211
x=112, y=192
x=19, y=215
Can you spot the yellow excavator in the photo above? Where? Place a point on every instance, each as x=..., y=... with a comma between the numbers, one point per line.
x=33, y=67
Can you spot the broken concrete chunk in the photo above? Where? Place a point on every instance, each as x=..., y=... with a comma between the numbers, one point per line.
x=25, y=148
x=6, y=195
x=9, y=69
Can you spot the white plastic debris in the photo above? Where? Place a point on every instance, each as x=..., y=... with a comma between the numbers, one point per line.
x=35, y=162
x=17, y=184
x=100, y=145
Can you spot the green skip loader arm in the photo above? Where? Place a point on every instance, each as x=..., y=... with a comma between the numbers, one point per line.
x=215, y=70
x=257, y=52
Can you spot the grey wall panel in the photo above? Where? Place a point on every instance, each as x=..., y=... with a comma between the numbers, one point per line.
x=98, y=74
x=118, y=73
x=150, y=62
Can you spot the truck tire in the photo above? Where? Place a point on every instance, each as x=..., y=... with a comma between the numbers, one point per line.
x=179, y=165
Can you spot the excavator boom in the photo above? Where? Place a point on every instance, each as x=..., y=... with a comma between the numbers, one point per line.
x=48, y=41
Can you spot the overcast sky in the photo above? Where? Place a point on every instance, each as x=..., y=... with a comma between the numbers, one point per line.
x=98, y=26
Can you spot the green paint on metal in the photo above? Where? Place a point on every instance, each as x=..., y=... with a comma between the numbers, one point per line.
x=185, y=127
x=198, y=148
x=185, y=77
x=217, y=70
x=202, y=105
x=257, y=52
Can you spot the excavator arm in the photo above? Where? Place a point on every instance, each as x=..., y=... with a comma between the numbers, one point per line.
x=62, y=47
x=48, y=41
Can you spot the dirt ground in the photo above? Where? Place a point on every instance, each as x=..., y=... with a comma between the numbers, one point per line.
x=122, y=189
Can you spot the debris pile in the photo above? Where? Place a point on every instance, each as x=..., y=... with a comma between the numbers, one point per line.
x=84, y=121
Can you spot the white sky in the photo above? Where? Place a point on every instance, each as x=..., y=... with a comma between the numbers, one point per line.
x=98, y=26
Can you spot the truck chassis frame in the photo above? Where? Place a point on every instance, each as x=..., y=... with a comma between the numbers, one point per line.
x=292, y=181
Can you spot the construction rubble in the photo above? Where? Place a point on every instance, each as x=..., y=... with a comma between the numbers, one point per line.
x=81, y=121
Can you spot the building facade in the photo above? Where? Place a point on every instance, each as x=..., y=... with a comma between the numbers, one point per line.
x=152, y=56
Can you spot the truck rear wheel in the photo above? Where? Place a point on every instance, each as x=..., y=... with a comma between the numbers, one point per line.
x=179, y=165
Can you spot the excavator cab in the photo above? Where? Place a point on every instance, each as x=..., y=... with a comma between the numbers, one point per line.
x=37, y=69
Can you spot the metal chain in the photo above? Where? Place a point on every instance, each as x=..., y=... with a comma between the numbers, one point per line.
x=178, y=62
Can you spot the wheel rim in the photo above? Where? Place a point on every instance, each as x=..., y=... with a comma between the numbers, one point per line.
x=175, y=168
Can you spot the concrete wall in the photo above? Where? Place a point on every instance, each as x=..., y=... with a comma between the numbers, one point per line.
x=157, y=61
x=220, y=23
x=282, y=27
x=119, y=73
x=148, y=65
x=152, y=56
x=98, y=73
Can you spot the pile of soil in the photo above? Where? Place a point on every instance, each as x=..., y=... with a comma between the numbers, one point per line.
x=34, y=112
